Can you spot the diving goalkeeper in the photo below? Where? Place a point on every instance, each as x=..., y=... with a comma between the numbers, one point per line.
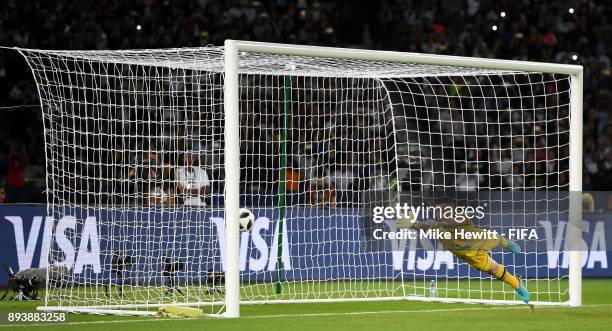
x=474, y=252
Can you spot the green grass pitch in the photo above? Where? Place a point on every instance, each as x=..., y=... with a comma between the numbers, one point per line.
x=595, y=314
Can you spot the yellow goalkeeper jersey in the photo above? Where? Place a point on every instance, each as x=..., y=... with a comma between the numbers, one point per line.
x=467, y=236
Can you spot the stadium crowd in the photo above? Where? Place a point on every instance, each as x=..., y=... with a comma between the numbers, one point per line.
x=564, y=32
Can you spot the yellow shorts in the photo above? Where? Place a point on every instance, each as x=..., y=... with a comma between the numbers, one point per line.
x=478, y=259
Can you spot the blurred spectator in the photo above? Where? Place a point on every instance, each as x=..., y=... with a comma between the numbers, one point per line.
x=588, y=203
x=531, y=30
x=321, y=193
x=15, y=180
x=342, y=178
x=152, y=180
x=193, y=182
x=609, y=204
x=293, y=182
x=2, y=195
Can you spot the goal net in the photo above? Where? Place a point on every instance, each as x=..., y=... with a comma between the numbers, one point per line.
x=141, y=150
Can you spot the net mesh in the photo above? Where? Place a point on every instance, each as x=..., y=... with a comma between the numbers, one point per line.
x=134, y=149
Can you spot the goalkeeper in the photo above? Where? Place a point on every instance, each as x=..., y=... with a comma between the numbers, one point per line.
x=474, y=252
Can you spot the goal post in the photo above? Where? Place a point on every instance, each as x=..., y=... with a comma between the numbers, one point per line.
x=361, y=130
x=232, y=177
x=575, y=183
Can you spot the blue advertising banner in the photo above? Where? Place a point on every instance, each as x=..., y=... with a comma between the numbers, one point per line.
x=317, y=245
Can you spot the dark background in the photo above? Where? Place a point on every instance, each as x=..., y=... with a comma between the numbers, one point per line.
x=530, y=30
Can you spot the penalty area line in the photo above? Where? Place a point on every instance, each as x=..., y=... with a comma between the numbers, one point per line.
x=379, y=312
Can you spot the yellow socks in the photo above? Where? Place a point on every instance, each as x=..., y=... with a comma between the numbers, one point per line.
x=505, y=276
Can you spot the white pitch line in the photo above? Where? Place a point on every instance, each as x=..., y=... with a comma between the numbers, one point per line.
x=152, y=319
x=379, y=312
x=415, y=311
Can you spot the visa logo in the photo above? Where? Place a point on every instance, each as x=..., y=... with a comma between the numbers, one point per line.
x=76, y=253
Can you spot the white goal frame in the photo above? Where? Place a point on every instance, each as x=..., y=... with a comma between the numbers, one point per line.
x=232, y=53
x=232, y=152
